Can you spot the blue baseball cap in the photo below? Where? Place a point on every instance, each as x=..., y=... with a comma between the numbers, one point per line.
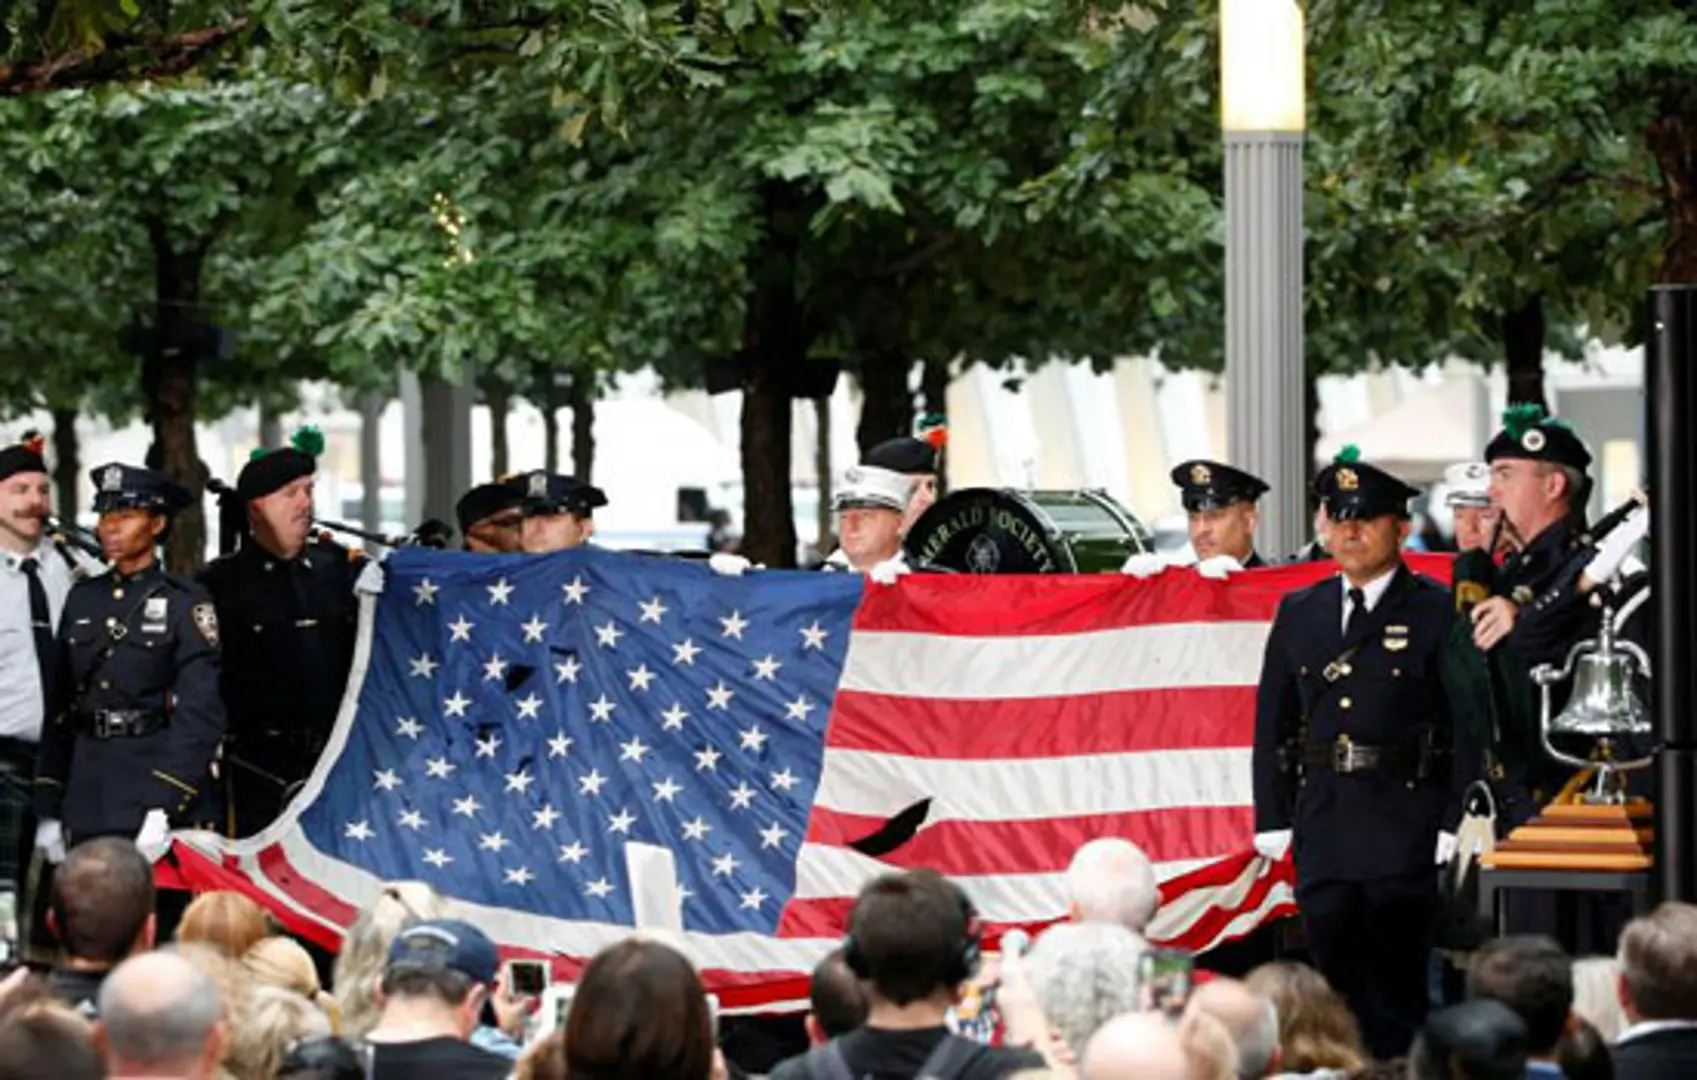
x=446, y=944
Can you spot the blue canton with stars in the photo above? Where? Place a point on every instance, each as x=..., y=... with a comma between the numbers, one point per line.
x=522, y=719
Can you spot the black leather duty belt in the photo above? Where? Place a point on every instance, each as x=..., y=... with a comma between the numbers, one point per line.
x=120, y=723
x=1404, y=761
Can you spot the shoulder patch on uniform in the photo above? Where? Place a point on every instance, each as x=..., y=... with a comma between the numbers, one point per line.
x=206, y=621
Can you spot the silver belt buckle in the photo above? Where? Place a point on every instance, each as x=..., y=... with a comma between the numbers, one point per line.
x=1343, y=755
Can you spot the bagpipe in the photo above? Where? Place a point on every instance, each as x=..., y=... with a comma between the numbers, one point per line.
x=433, y=533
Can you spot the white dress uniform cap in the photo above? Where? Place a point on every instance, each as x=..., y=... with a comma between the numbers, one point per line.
x=870, y=486
x=1468, y=483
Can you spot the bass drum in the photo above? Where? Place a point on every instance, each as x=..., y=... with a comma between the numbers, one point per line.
x=1003, y=531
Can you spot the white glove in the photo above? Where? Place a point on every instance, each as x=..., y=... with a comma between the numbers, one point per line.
x=1272, y=845
x=723, y=562
x=886, y=572
x=50, y=841
x=154, y=839
x=1145, y=565
x=1613, y=549
x=370, y=580
x=1446, y=848
x=1218, y=567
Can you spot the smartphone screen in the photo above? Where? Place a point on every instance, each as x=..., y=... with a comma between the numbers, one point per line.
x=529, y=978
x=1164, y=978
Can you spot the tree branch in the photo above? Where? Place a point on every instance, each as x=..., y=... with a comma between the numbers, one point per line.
x=120, y=57
x=916, y=260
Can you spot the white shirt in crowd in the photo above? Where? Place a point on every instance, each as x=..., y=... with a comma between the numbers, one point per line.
x=21, y=706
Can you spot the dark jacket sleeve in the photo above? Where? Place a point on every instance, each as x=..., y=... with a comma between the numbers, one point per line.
x=53, y=758
x=197, y=712
x=1278, y=711
x=1549, y=624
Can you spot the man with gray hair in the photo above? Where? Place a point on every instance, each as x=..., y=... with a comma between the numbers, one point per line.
x=1251, y=1020
x=1083, y=975
x=160, y=1018
x=1110, y=880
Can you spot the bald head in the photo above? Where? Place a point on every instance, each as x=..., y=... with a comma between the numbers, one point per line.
x=1110, y=880
x=1250, y=1020
x=1136, y=1046
x=159, y=1017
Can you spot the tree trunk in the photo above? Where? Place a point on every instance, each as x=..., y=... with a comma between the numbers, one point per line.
x=549, y=400
x=822, y=464
x=775, y=339
x=1523, y=352
x=886, y=407
x=270, y=427
x=65, y=463
x=580, y=396
x=498, y=396
x=170, y=383
x=1673, y=141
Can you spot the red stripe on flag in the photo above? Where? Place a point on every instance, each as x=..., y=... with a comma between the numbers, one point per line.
x=1125, y=721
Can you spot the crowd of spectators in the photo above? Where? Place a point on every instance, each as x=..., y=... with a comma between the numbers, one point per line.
x=417, y=990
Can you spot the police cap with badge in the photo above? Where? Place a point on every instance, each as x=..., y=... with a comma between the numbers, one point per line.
x=126, y=487
x=547, y=493
x=1210, y=485
x=1468, y=484
x=1531, y=434
x=485, y=501
x=1353, y=490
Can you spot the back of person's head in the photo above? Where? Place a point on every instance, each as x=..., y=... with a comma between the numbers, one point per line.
x=1316, y=1029
x=1532, y=975
x=229, y=977
x=284, y=963
x=1658, y=964
x=1248, y=1018
x=1476, y=1040
x=365, y=949
x=1596, y=995
x=274, y=1020
x=324, y=1059
x=1111, y=880
x=228, y=921
x=544, y=1061
x=1084, y=974
x=911, y=936
x=838, y=1004
x=160, y=1014
x=102, y=903
x=639, y=1011
x=1208, y=1047
x=1584, y=1054
x=443, y=966
x=46, y=1041
x=1136, y=1046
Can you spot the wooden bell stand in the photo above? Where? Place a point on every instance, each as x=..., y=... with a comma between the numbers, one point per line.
x=1573, y=833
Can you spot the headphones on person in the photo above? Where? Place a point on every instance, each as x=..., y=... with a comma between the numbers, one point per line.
x=966, y=954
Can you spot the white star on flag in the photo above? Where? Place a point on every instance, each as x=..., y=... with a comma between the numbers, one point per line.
x=545, y=817
x=697, y=829
x=520, y=781
x=767, y=668
x=411, y=819
x=673, y=718
x=575, y=590
x=725, y=865
x=753, y=738
x=358, y=830
x=528, y=706
x=487, y=747
x=621, y=822
x=640, y=677
x=598, y=888
x=753, y=898
x=460, y=630
x=573, y=852
x=559, y=746
x=652, y=610
x=813, y=637
x=534, y=629
x=591, y=784
x=601, y=709
x=499, y=591
x=685, y=652
x=734, y=624
x=492, y=841
x=707, y=758
x=468, y=806
x=666, y=790
x=741, y=796
x=633, y=750
x=439, y=768
x=566, y=670
x=521, y=876
x=425, y=593
x=422, y=666
x=456, y=705
x=773, y=835
x=408, y=728
x=494, y=668
x=719, y=697
x=608, y=634
x=386, y=779
x=437, y=857
x=783, y=780
x=799, y=709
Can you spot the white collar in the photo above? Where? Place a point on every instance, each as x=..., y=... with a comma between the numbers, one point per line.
x=1373, y=591
x=1652, y=1027
x=15, y=562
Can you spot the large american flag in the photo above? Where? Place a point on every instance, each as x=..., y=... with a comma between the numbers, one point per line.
x=569, y=745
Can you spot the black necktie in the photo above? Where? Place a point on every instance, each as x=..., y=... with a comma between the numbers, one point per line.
x=41, y=621
x=1357, y=613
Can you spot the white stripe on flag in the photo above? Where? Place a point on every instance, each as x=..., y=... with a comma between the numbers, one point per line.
x=1175, y=656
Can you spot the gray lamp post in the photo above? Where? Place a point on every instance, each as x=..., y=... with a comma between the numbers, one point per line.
x=1263, y=113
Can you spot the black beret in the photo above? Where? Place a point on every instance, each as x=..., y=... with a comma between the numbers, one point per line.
x=485, y=501
x=1209, y=485
x=1530, y=434
x=544, y=492
x=125, y=487
x=913, y=457
x=1356, y=491
x=272, y=471
x=20, y=459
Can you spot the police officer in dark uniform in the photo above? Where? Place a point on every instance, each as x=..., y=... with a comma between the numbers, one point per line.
x=1220, y=504
x=137, y=716
x=559, y=511
x=1355, y=759
x=491, y=518
x=287, y=603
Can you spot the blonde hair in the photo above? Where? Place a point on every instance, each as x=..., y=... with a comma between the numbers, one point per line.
x=274, y=1020
x=233, y=986
x=1596, y=995
x=1208, y=1047
x=1316, y=1029
x=284, y=963
x=228, y=921
x=365, y=949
